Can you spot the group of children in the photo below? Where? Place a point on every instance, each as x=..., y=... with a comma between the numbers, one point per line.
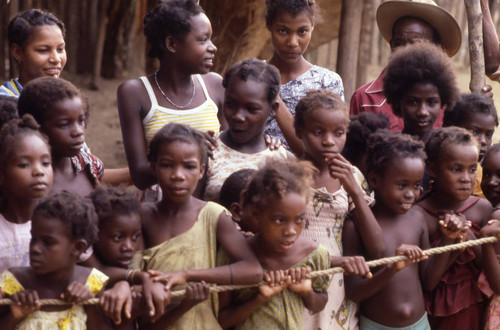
x=227, y=204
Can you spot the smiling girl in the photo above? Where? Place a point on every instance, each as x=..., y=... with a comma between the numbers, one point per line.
x=291, y=23
x=182, y=90
x=252, y=88
x=36, y=41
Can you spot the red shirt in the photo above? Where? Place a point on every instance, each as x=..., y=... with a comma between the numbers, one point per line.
x=370, y=98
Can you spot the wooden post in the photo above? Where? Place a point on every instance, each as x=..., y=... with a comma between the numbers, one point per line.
x=347, y=59
x=475, y=23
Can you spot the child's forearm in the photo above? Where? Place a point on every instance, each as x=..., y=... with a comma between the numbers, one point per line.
x=359, y=289
x=491, y=267
x=234, y=315
x=368, y=227
x=241, y=272
x=315, y=301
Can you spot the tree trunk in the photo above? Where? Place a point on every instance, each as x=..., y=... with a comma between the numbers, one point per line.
x=365, y=42
x=474, y=17
x=347, y=59
x=99, y=48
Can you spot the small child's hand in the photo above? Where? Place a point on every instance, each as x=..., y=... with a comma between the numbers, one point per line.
x=24, y=303
x=170, y=279
x=453, y=225
x=491, y=229
x=196, y=293
x=276, y=283
x=272, y=142
x=341, y=169
x=355, y=265
x=413, y=252
x=116, y=300
x=298, y=280
x=76, y=293
x=156, y=297
x=211, y=141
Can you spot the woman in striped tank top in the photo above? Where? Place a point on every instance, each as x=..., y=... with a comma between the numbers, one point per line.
x=182, y=90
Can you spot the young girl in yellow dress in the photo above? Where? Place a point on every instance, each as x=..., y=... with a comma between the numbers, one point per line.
x=63, y=226
x=182, y=233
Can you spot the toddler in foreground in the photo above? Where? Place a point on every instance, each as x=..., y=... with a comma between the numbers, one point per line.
x=277, y=196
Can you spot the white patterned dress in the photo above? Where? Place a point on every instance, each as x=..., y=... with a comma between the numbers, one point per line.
x=325, y=215
x=291, y=93
x=226, y=161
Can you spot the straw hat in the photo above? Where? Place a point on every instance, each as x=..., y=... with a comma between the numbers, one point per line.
x=427, y=10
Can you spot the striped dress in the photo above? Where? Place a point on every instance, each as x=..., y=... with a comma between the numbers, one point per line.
x=203, y=117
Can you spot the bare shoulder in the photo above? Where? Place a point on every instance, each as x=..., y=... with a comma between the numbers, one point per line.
x=306, y=246
x=213, y=81
x=495, y=214
x=81, y=274
x=417, y=219
x=131, y=86
x=481, y=211
x=24, y=275
x=212, y=78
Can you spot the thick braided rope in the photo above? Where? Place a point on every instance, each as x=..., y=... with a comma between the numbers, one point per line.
x=371, y=264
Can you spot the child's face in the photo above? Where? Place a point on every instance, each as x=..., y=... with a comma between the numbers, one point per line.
x=196, y=50
x=400, y=185
x=246, y=109
x=178, y=170
x=323, y=134
x=281, y=222
x=482, y=127
x=455, y=174
x=490, y=184
x=44, y=55
x=291, y=35
x=119, y=239
x=51, y=248
x=65, y=127
x=420, y=107
x=28, y=171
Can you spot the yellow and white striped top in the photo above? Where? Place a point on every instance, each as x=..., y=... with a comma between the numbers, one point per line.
x=203, y=117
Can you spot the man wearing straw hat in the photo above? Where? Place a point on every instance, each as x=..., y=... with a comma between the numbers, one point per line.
x=402, y=23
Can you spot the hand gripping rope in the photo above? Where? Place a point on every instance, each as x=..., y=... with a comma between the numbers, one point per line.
x=331, y=271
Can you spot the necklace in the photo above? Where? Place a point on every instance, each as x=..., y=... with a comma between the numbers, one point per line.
x=169, y=100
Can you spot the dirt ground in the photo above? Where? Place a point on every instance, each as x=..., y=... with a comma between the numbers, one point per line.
x=104, y=135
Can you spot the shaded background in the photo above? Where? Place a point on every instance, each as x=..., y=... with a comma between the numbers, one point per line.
x=106, y=45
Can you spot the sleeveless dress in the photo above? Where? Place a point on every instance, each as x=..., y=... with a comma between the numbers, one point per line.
x=73, y=318
x=457, y=301
x=286, y=309
x=226, y=161
x=315, y=78
x=194, y=249
x=203, y=117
